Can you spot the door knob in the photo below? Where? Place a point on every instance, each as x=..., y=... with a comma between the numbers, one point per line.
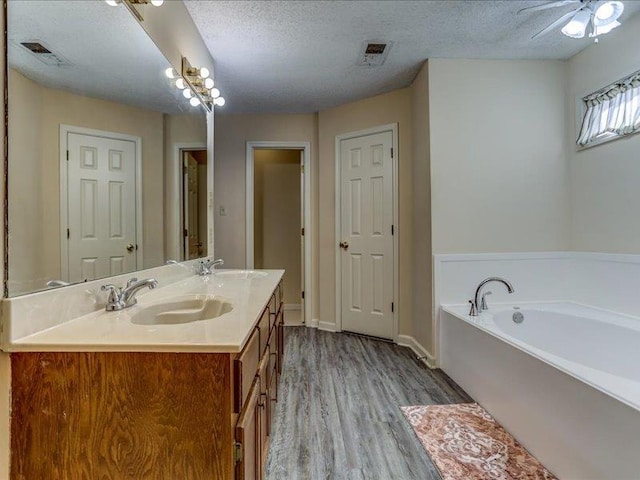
x=130, y=248
x=344, y=245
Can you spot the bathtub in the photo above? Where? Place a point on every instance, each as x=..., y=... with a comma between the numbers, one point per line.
x=565, y=381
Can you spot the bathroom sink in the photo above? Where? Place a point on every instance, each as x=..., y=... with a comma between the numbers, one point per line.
x=181, y=310
x=241, y=274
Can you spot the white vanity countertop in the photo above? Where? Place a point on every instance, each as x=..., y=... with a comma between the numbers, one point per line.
x=103, y=331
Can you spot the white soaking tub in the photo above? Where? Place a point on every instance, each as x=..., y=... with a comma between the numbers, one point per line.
x=565, y=381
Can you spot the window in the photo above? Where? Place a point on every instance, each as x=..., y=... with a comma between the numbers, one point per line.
x=613, y=111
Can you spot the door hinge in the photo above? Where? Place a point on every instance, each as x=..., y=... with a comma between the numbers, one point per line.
x=67, y=155
x=302, y=168
x=68, y=234
x=391, y=152
x=391, y=229
x=237, y=452
x=303, y=231
x=185, y=233
x=303, y=294
x=391, y=307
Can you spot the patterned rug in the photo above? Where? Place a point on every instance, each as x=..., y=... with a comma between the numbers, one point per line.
x=466, y=443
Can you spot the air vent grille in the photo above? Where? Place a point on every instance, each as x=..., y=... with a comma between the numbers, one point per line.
x=374, y=53
x=44, y=53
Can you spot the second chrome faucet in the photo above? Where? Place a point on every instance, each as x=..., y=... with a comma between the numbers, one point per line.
x=480, y=303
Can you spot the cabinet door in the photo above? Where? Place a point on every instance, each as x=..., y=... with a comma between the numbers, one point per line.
x=263, y=406
x=280, y=332
x=248, y=459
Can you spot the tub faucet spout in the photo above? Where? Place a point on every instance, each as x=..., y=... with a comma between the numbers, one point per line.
x=476, y=304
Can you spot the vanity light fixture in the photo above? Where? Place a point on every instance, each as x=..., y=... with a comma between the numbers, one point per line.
x=132, y=5
x=171, y=73
x=181, y=84
x=200, y=86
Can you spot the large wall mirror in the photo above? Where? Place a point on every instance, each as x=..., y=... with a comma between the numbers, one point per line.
x=107, y=162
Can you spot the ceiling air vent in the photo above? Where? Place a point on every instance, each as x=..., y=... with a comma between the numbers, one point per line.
x=42, y=53
x=373, y=54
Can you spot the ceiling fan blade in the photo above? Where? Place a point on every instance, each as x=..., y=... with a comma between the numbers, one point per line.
x=545, y=6
x=557, y=23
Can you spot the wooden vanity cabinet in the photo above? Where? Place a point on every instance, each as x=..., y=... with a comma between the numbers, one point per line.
x=253, y=429
x=160, y=415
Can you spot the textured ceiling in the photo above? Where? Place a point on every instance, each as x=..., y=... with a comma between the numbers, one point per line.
x=111, y=57
x=300, y=56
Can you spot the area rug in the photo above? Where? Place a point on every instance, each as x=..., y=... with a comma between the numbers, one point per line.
x=466, y=443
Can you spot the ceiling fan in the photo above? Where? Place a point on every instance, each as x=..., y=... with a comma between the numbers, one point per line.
x=601, y=15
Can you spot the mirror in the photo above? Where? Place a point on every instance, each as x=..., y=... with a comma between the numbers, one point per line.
x=108, y=161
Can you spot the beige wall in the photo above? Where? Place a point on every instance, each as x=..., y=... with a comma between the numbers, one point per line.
x=394, y=107
x=27, y=235
x=178, y=129
x=421, y=242
x=605, y=180
x=231, y=134
x=55, y=108
x=499, y=176
x=277, y=217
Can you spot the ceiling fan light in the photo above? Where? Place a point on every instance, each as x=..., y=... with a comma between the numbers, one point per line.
x=577, y=25
x=607, y=12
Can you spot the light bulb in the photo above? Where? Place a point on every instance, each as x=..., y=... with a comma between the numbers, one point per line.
x=187, y=93
x=204, y=72
x=111, y=3
x=219, y=101
x=170, y=72
x=194, y=102
x=208, y=83
x=607, y=12
x=157, y=3
x=215, y=93
x=577, y=25
x=604, y=12
x=180, y=83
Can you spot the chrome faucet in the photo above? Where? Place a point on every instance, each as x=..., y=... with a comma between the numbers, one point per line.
x=479, y=304
x=121, y=298
x=206, y=267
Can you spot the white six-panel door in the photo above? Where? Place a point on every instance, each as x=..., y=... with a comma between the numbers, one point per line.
x=101, y=206
x=366, y=211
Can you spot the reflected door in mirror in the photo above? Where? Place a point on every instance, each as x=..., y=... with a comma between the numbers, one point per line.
x=101, y=203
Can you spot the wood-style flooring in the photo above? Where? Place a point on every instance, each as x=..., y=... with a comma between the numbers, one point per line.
x=338, y=413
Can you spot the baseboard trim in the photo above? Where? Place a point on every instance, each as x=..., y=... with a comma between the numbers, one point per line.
x=313, y=323
x=408, y=341
x=327, y=326
x=296, y=324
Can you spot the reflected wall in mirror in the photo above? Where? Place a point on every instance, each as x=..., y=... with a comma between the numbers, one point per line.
x=101, y=147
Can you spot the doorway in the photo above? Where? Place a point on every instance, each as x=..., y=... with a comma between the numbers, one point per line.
x=367, y=232
x=278, y=219
x=194, y=203
x=100, y=203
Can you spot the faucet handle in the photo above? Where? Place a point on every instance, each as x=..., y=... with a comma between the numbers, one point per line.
x=114, y=300
x=473, y=312
x=483, y=303
x=131, y=281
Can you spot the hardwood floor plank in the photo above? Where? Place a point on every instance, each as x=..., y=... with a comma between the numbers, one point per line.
x=338, y=414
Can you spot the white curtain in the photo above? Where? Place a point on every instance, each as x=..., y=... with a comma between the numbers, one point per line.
x=614, y=110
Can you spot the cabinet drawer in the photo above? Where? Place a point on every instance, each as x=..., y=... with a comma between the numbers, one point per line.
x=264, y=326
x=245, y=368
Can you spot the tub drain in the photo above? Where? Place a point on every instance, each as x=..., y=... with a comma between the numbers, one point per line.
x=518, y=317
